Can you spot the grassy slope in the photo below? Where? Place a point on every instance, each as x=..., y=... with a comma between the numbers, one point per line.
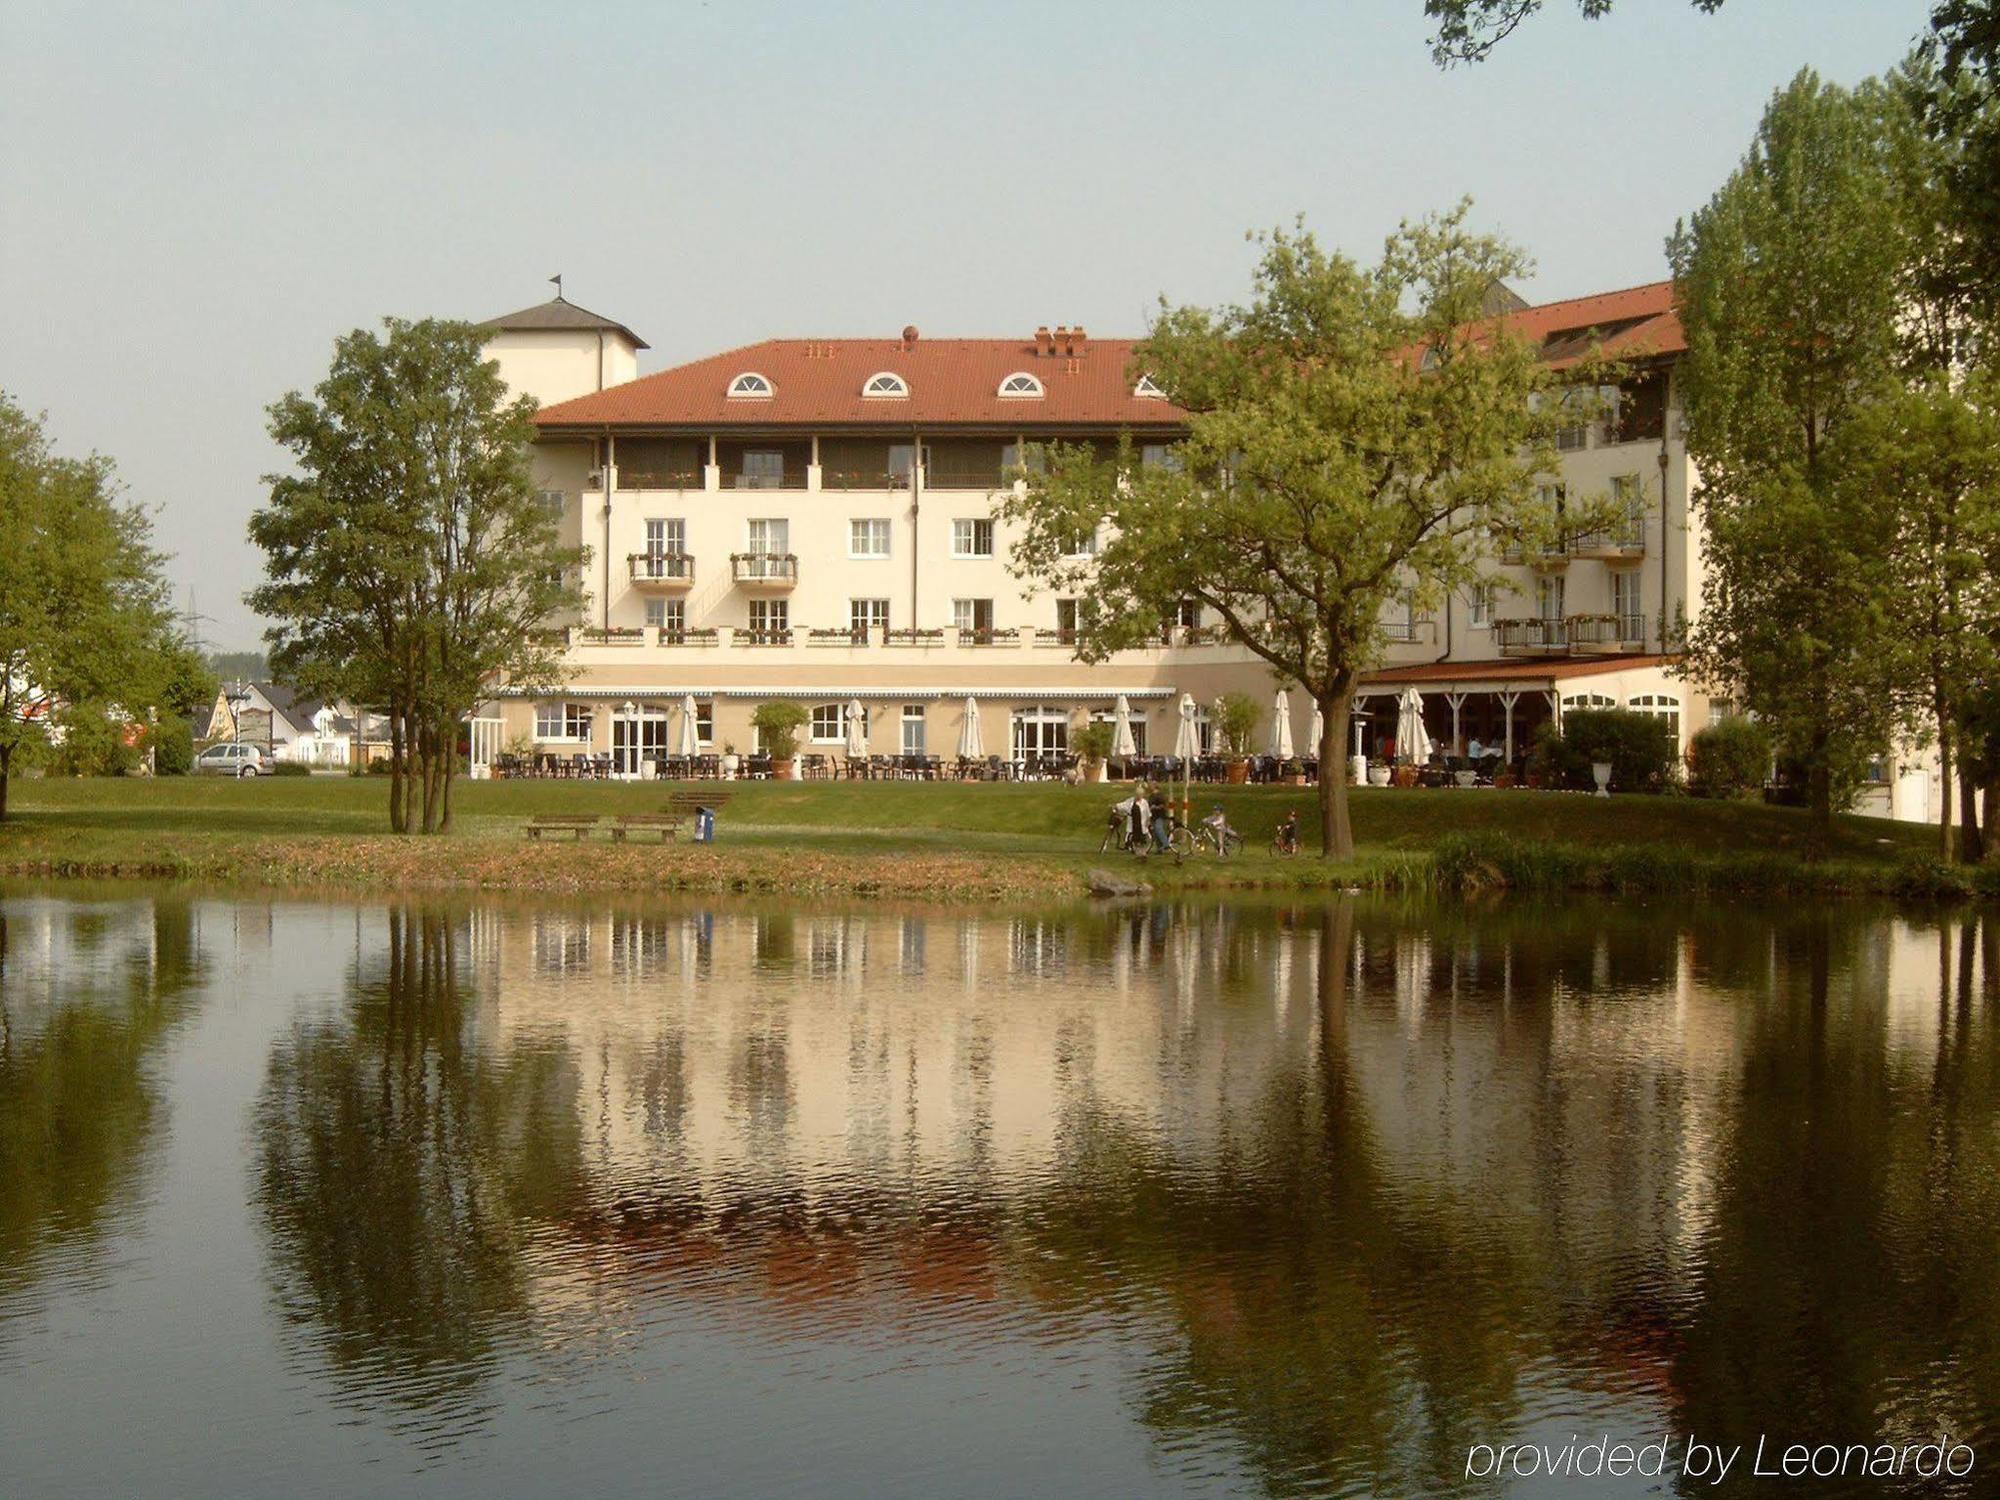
x=975, y=840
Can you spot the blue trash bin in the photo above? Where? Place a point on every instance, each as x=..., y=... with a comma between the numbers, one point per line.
x=704, y=825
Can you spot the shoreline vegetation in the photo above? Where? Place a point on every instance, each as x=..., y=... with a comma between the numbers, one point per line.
x=945, y=843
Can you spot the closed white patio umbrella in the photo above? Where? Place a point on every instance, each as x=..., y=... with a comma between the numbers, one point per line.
x=1187, y=744
x=857, y=729
x=1123, y=743
x=1319, y=728
x=969, y=745
x=1281, y=727
x=1413, y=742
x=690, y=743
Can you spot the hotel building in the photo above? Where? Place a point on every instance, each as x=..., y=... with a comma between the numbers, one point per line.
x=814, y=519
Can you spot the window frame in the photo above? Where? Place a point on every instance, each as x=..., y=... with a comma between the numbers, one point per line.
x=973, y=534
x=750, y=385
x=886, y=525
x=885, y=385
x=1031, y=391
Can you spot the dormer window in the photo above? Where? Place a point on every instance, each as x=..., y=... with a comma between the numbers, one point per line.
x=1020, y=384
x=886, y=384
x=749, y=383
x=1148, y=387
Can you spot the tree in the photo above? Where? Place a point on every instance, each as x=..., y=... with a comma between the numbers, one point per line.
x=1789, y=285
x=410, y=562
x=83, y=605
x=1469, y=30
x=1356, y=436
x=1960, y=99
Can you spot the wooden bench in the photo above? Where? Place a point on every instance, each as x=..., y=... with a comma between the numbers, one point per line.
x=685, y=803
x=666, y=825
x=576, y=825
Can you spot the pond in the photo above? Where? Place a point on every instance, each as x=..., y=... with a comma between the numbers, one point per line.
x=313, y=1198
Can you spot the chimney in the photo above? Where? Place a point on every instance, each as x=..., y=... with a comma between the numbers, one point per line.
x=1044, y=340
x=909, y=334
x=1075, y=344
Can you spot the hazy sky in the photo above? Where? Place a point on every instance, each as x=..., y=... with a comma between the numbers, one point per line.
x=196, y=198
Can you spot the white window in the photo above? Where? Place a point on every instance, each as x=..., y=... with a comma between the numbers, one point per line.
x=1020, y=458
x=864, y=615
x=770, y=619
x=913, y=729
x=1040, y=730
x=763, y=469
x=1020, y=383
x=749, y=384
x=1588, y=701
x=828, y=724
x=1187, y=614
x=1066, y=621
x=553, y=503
x=1081, y=543
x=885, y=384
x=868, y=537
x=1159, y=456
x=1149, y=388
x=1659, y=706
x=974, y=616
x=672, y=617
x=1625, y=586
x=768, y=537
x=1479, y=606
x=562, y=721
x=704, y=721
x=1721, y=710
x=971, y=537
x=656, y=612
x=1549, y=596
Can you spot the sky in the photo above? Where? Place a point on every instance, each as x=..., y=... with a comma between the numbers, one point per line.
x=197, y=198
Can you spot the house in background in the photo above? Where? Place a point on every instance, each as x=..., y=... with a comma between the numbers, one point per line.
x=290, y=726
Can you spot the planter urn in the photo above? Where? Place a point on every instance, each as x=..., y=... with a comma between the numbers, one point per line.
x=1600, y=771
x=1237, y=772
x=784, y=770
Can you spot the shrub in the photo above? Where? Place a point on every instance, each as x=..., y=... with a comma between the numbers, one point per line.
x=1093, y=742
x=778, y=723
x=290, y=768
x=173, y=747
x=1639, y=747
x=94, y=743
x=1730, y=759
x=1236, y=721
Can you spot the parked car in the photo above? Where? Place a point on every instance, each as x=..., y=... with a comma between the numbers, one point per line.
x=231, y=760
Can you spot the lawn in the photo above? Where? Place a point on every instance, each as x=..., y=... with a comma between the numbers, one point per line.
x=973, y=840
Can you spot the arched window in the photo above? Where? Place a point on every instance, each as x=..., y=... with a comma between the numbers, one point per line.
x=1147, y=386
x=1659, y=706
x=1020, y=383
x=749, y=383
x=1042, y=729
x=1588, y=700
x=887, y=383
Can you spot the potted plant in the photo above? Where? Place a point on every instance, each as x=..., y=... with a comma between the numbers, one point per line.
x=731, y=761
x=1092, y=744
x=1379, y=773
x=1236, y=721
x=778, y=723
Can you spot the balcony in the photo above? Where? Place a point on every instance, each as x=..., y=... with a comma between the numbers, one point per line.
x=1531, y=637
x=1605, y=634
x=662, y=570
x=630, y=480
x=1546, y=556
x=1409, y=632
x=766, y=572
x=1627, y=539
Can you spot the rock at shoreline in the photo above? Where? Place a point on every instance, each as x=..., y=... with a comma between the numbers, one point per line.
x=1107, y=883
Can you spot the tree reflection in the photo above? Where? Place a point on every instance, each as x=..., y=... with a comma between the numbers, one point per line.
x=78, y=1107
x=402, y=1173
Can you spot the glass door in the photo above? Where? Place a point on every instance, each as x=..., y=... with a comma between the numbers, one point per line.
x=637, y=736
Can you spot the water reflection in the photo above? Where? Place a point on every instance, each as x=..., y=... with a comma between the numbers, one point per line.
x=1320, y=1194
x=87, y=993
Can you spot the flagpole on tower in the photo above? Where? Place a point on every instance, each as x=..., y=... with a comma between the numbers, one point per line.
x=557, y=279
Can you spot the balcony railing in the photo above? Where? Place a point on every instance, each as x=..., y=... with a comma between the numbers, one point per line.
x=837, y=637
x=664, y=479
x=764, y=567
x=1530, y=637
x=1409, y=632
x=667, y=568
x=907, y=637
x=1626, y=539
x=853, y=635
x=777, y=635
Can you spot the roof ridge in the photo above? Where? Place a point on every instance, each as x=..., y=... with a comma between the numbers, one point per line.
x=1619, y=291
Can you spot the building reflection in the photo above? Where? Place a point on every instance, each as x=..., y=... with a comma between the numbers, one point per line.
x=1355, y=1184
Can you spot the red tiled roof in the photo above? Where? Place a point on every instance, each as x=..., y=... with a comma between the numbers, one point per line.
x=1511, y=669
x=952, y=382
x=956, y=382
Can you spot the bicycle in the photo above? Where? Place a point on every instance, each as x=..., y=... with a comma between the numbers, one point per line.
x=1215, y=836
x=1285, y=842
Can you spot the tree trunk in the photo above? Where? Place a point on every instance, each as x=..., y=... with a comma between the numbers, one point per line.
x=1971, y=838
x=1944, y=782
x=450, y=774
x=6, y=766
x=1336, y=833
x=1819, y=806
x=398, y=739
x=1989, y=847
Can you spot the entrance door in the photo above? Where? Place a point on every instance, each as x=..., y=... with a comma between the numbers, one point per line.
x=637, y=737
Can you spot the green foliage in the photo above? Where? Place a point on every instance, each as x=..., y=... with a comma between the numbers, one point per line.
x=83, y=605
x=778, y=723
x=1639, y=747
x=1356, y=436
x=246, y=666
x=1094, y=740
x=290, y=768
x=94, y=742
x=173, y=746
x=1469, y=30
x=1791, y=281
x=1729, y=759
x=1236, y=721
x=409, y=560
